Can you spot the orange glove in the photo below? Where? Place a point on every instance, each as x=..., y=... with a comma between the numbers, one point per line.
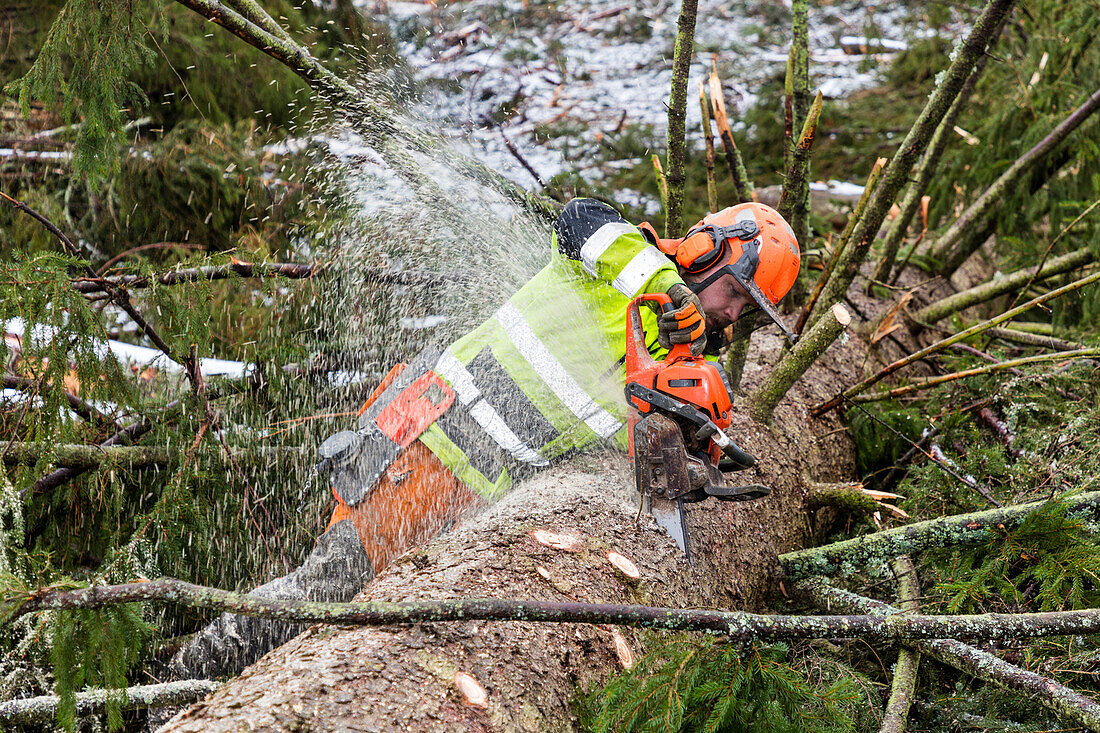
x=685, y=324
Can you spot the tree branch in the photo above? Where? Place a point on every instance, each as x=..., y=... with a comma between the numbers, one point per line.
x=842, y=243
x=740, y=177
x=1033, y=339
x=1013, y=282
x=1059, y=698
x=89, y=285
x=918, y=385
x=946, y=248
x=677, y=113
x=928, y=164
x=915, y=143
x=84, y=457
x=737, y=625
x=960, y=529
x=85, y=410
x=904, y=685
x=793, y=201
x=944, y=343
x=43, y=710
x=796, y=361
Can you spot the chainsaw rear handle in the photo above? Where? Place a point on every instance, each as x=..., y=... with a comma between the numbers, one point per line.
x=637, y=355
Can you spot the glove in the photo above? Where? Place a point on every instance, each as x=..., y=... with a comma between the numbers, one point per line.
x=685, y=324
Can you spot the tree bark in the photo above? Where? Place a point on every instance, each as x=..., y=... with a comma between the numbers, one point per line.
x=904, y=685
x=85, y=456
x=677, y=114
x=404, y=678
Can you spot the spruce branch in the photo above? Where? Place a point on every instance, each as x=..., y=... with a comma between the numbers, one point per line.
x=42, y=710
x=1062, y=700
x=915, y=143
x=958, y=530
x=796, y=361
x=918, y=385
x=85, y=410
x=735, y=625
x=944, y=343
x=377, y=124
x=77, y=456
x=947, y=249
x=677, y=114
x=904, y=685
x=926, y=169
x=1015, y=282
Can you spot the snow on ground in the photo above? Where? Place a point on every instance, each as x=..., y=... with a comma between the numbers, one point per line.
x=597, y=67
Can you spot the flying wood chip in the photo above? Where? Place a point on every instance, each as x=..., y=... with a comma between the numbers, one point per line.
x=624, y=565
x=471, y=689
x=558, y=540
x=622, y=650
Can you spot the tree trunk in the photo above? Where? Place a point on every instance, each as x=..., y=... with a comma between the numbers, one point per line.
x=405, y=678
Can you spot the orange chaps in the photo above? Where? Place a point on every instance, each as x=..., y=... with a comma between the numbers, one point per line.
x=415, y=499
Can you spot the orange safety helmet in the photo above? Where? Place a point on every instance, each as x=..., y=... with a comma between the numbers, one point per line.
x=764, y=256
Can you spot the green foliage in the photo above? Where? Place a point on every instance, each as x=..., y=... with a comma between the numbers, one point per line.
x=704, y=684
x=85, y=64
x=95, y=648
x=1050, y=562
x=877, y=447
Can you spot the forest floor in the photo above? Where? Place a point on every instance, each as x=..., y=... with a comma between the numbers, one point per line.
x=579, y=87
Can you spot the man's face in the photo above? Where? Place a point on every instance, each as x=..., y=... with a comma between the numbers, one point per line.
x=723, y=301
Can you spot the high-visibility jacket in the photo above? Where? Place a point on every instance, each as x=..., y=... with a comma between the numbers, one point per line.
x=544, y=375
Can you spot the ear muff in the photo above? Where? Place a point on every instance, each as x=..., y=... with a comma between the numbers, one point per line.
x=700, y=250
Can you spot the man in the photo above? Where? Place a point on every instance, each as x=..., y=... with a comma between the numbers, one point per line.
x=541, y=379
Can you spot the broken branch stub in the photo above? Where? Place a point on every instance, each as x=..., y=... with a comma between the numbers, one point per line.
x=796, y=361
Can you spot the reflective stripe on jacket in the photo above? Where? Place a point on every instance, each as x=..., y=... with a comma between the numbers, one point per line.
x=544, y=375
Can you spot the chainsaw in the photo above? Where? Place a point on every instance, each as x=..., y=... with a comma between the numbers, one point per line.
x=678, y=409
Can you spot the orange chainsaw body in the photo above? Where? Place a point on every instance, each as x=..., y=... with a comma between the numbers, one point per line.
x=690, y=379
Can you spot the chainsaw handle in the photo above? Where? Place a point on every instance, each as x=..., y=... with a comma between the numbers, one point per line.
x=637, y=355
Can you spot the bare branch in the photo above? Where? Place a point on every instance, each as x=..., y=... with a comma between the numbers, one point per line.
x=1059, y=698
x=677, y=114
x=1013, y=282
x=43, y=710
x=738, y=625
x=72, y=455
x=904, y=685
x=944, y=343
x=918, y=385
x=957, y=530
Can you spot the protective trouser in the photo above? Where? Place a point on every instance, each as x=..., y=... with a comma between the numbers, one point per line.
x=415, y=499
